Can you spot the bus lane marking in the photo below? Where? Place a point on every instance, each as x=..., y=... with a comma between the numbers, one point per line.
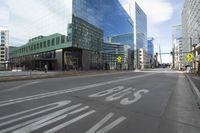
x=55, y=93
x=120, y=93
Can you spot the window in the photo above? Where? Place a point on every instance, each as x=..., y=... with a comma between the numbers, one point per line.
x=40, y=44
x=34, y=46
x=48, y=43
x=57, y=40
x=53, y=42
x=44, y=44
x=62, y=39
x=37, y=45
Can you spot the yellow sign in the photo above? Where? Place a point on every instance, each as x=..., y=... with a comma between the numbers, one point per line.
x=190, y=60
x=119, y=59
x=190, y=56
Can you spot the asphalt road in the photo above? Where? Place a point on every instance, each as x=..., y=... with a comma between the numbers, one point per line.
x=156, y=101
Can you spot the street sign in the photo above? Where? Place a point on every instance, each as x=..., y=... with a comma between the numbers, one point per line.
x=190, y=57
x=119, y=59
x=189, y=60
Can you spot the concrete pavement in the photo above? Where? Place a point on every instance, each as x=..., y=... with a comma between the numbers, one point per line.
x=158, y=101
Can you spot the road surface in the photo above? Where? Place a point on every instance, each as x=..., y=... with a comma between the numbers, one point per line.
x=156, y=101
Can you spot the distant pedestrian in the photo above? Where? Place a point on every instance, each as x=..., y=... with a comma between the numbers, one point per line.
x=45, y=68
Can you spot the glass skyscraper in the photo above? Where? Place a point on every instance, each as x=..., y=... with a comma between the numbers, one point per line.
x=82, y=25
x=150, y=50
x=141, y=27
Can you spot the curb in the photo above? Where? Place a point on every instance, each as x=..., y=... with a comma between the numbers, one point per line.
x=35, y=77
x=195, y=89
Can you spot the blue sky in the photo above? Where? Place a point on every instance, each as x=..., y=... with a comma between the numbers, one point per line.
x=162, y=15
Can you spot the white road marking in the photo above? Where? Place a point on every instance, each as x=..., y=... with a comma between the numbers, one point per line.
x=120, y=94
x=49, y=119
x=54, y=93
x=20, y=86
x=112, y=125
x=108, y=127
x=34, y=114
x=107, y=92
x=57, y=105
x=100, y=123
x=137, y=95
x=46, y=119
x=61, y=126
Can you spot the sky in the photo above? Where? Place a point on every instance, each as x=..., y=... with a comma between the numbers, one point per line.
x=161, y=16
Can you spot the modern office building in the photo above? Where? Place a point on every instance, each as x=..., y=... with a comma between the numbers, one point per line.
x=4, y=43
x=191, y=26
x=142, y=58
x=70, y=34
x=178, y=58
x=140, y=31
x=150, y=52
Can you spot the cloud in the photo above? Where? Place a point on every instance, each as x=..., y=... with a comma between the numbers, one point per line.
x=37, y=17
x=158, y=13
x=157, y=10
x=4, y=14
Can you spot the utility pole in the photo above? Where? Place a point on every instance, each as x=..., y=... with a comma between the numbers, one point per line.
x=160, y=54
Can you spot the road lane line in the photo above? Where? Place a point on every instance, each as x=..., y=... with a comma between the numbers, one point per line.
x=95, y=128
x=100, y=123
x=57, y=105
x=63, y=125
x=41, y=118
x=20, y=86
x=49, y=119
x=34, y=114
x=54, y=93
x=112, y=125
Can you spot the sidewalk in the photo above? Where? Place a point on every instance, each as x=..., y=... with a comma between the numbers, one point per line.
x=195, y=83
x=27, y=75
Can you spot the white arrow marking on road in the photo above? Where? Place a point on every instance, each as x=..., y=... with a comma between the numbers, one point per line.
x=41, y=121
x=49, y=119
x=108, y=127
x=54, y=93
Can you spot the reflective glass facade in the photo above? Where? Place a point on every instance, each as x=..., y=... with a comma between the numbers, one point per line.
x=141, y=27
x=124, y=39
x=150, y=49
x=84, y=24
x=107, y=15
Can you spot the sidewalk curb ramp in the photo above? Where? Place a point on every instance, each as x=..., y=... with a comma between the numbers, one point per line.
x=194, y=89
